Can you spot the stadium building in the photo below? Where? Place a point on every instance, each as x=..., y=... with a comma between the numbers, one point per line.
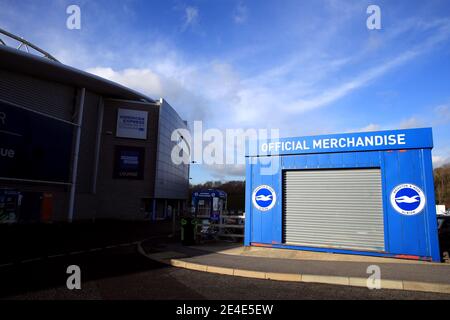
x=74, y=146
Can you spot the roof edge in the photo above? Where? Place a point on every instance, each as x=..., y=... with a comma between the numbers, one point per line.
x=40, y=67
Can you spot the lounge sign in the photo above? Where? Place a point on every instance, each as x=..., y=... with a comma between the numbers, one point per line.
x=129, y=163
x=33, y=146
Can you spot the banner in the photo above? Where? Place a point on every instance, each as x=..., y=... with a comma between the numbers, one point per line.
x=132, y=124
x=33, y=146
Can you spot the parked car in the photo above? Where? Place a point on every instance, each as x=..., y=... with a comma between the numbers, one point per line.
x=444, y=234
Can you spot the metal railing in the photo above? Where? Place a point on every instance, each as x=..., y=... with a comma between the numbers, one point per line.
x=21, y=43
x=229, y=226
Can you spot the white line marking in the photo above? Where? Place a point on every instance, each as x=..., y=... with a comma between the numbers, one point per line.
x=30, y=260
x=6, y=265
x=76, y=253
x=11, y=133
x=57, y=255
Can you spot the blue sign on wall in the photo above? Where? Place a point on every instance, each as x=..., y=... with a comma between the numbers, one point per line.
x=129, y=163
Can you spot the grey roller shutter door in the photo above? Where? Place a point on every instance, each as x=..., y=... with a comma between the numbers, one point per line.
x=334, y=208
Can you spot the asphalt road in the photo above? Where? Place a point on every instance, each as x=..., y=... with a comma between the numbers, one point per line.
x=122, y=273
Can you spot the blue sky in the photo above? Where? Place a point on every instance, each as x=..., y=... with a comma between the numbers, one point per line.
x=303, y=66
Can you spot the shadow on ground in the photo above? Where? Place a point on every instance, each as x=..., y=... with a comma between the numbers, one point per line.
x=36, y=257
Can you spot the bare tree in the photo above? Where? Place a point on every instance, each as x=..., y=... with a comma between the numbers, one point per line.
x=442, y=185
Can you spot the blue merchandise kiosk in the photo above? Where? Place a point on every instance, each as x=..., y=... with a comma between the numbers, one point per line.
x=366, y=193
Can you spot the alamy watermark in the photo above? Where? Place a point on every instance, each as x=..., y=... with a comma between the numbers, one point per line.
x=223, y=147
x=374, y=280
x=73, y=21
x=374, y=20
x=74, y=280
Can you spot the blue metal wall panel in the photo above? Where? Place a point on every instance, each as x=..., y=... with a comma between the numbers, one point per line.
x=248, y=206
x=431, y=219
x=414, y=235
x=269, y=226
x=256, y=218
x=406, y=232
x=277, y=211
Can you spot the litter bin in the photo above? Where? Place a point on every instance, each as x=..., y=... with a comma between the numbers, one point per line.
x=188, y=230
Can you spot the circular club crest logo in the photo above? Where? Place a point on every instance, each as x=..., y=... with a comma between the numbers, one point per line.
x=264, y=198
x=408, y=199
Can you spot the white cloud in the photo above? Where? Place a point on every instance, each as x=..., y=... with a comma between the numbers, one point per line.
x=441, y=156
x=291, y=87
x=408, y=123
x=143, y=80
x=439, y=161
x=191, y=17
x=368, y=128
x=411, y=123
x=223, y=172
x=442, y=113
x=332, y=94
x=301, y=84
x=217, y=92
x=322, y=96
x=240, y=13
x=189, y=105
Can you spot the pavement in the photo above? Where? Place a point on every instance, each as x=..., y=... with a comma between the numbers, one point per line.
x=301, y=266
x=122, y=273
